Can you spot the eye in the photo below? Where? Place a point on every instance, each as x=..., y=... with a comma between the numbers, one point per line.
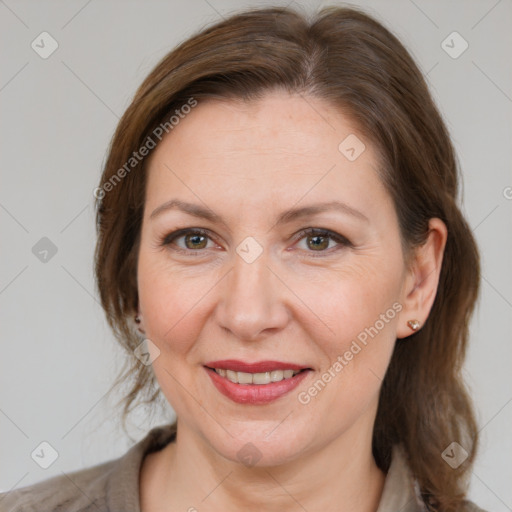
x=318, y=240
x=194, y=239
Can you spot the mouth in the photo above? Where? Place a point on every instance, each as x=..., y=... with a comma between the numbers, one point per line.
x=259, y=378
x=255, y=383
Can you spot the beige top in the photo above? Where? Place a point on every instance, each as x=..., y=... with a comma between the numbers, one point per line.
x=113, y=486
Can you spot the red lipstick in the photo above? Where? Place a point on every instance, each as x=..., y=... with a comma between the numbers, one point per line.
x=255, y=394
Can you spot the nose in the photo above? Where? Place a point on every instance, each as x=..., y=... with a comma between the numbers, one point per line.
x=252, y=300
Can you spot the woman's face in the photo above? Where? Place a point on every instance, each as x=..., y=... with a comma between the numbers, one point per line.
x=252, y=287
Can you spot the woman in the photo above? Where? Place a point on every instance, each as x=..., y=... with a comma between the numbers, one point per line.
x=281, y=252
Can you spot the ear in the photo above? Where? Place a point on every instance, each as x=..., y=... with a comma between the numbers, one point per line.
x=422, y=278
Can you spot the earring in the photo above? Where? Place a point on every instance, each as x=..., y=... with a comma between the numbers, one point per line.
x=137, y=321
x=414, y=324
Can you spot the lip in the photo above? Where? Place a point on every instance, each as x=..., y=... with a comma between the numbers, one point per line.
x=256, y=394
x=258, y=367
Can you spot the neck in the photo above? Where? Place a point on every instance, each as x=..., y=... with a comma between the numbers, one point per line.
x=342, y=475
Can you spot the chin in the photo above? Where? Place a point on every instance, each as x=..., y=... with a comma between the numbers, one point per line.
x=259, y=443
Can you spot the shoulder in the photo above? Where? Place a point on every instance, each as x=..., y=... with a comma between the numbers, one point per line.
x=81, y=490
x=402, y=491
x=112, y=486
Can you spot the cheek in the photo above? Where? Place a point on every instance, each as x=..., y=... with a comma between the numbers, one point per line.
x=342, y=303
x=170, y=303
x=359, y=304
x=363, y=314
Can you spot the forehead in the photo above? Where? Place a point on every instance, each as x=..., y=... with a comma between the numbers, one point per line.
x=278, y=149
x=278, y=121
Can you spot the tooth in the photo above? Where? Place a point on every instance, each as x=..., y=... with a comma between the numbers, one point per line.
x=256, y=378
x=244, y=378
x=261, y=378
x=276, y=375
x=231, y=375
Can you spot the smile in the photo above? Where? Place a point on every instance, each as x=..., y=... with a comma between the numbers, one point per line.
x=257, y=378
x=267, y=381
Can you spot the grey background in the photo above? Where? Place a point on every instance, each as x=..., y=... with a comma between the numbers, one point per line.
x=58, y=357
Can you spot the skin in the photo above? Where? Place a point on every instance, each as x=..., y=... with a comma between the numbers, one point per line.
x=296, y=302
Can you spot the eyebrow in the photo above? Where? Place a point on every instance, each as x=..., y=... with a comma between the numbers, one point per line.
x=283, y=218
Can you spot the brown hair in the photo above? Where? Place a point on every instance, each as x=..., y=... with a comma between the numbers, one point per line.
x=350, y=60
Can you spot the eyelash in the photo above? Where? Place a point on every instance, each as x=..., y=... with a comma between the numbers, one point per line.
x=343, y=241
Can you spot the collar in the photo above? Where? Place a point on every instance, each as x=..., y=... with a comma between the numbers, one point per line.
x=401, y=491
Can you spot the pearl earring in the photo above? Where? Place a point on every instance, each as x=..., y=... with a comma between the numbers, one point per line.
x=414, y=324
